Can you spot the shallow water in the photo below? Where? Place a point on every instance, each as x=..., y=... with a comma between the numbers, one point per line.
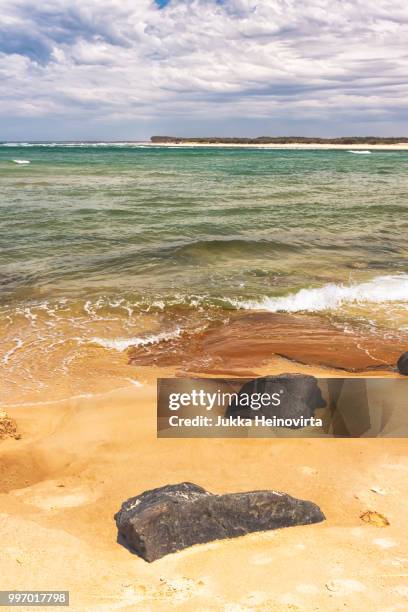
x=147, y=241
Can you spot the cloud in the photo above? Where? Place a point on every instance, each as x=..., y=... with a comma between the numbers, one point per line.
x=109, y=59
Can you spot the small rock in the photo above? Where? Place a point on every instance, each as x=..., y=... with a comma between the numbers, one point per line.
x=378, y=490
x=173, y=517
x=402, y=364
x=374, y=518
x=8, y=427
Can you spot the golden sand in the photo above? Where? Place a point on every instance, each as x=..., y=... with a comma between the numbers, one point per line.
x=402, y=146
x=78, y=459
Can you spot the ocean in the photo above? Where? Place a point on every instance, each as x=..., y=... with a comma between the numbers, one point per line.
x=123, y=245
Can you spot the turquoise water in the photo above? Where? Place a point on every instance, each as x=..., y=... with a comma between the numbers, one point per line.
x=197, y=225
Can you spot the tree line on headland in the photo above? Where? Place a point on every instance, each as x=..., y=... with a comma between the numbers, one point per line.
x=344, y=140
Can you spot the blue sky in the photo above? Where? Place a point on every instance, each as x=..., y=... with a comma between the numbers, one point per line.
x=126, y=69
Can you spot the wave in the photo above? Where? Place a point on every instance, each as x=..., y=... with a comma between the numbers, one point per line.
x=122, y=344
x=75, y=144
x=21, y=162
x=393, y=288
x=18, y=344
x=230, y=247
x=359, y=152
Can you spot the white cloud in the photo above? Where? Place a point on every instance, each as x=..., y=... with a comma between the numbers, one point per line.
x=200, y=58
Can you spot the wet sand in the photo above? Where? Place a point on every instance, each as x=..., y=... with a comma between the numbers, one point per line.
x=251, y=339
x=78, y=459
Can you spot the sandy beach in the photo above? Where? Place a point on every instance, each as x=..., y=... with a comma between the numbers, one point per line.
x=78, y=459
x=403, y=146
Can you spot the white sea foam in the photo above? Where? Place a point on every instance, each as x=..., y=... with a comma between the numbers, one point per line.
x=21, y=162
x=10, y=352
x=75, y=144
x=122, y=344
x=358, y=152
x=332, y=296
x=135, y=382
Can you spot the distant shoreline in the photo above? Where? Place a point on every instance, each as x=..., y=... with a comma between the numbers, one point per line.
x=289, y=142
x=389, y=147
x=215, y=143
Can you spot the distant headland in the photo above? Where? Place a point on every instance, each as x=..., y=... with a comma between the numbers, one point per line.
x=260, y=140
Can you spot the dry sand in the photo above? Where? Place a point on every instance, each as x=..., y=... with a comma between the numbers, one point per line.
x=403, y=146
x=78, y=459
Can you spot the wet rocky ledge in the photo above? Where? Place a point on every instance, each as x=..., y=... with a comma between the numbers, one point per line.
x=173, y=517
x=248, y=340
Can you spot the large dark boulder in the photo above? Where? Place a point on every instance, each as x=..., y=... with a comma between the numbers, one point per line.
x=299, y=395
x=173, y=517
x=402, y=364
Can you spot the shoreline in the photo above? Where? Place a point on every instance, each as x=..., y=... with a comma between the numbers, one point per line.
x=317, y=146
x=195, y=144
x=144, y=376
x=80, y=457
x=73, y=361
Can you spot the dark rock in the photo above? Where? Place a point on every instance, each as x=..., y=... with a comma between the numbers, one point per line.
x=299, y=395
x=173, y=517
x=402, y=364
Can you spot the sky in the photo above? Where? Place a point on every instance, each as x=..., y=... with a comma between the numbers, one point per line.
x=128, y=69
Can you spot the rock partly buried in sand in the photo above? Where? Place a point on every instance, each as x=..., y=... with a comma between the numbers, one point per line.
x=299, y=396
x=374, y=518
x=173, y=517
x=8, y=428
x=402, y=364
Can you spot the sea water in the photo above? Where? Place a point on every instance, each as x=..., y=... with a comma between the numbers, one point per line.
x=130, y=243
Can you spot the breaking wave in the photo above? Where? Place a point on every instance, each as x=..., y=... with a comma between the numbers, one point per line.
x=393, y=288
x=75, y=144
x=360, y=152
x=122, y=344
